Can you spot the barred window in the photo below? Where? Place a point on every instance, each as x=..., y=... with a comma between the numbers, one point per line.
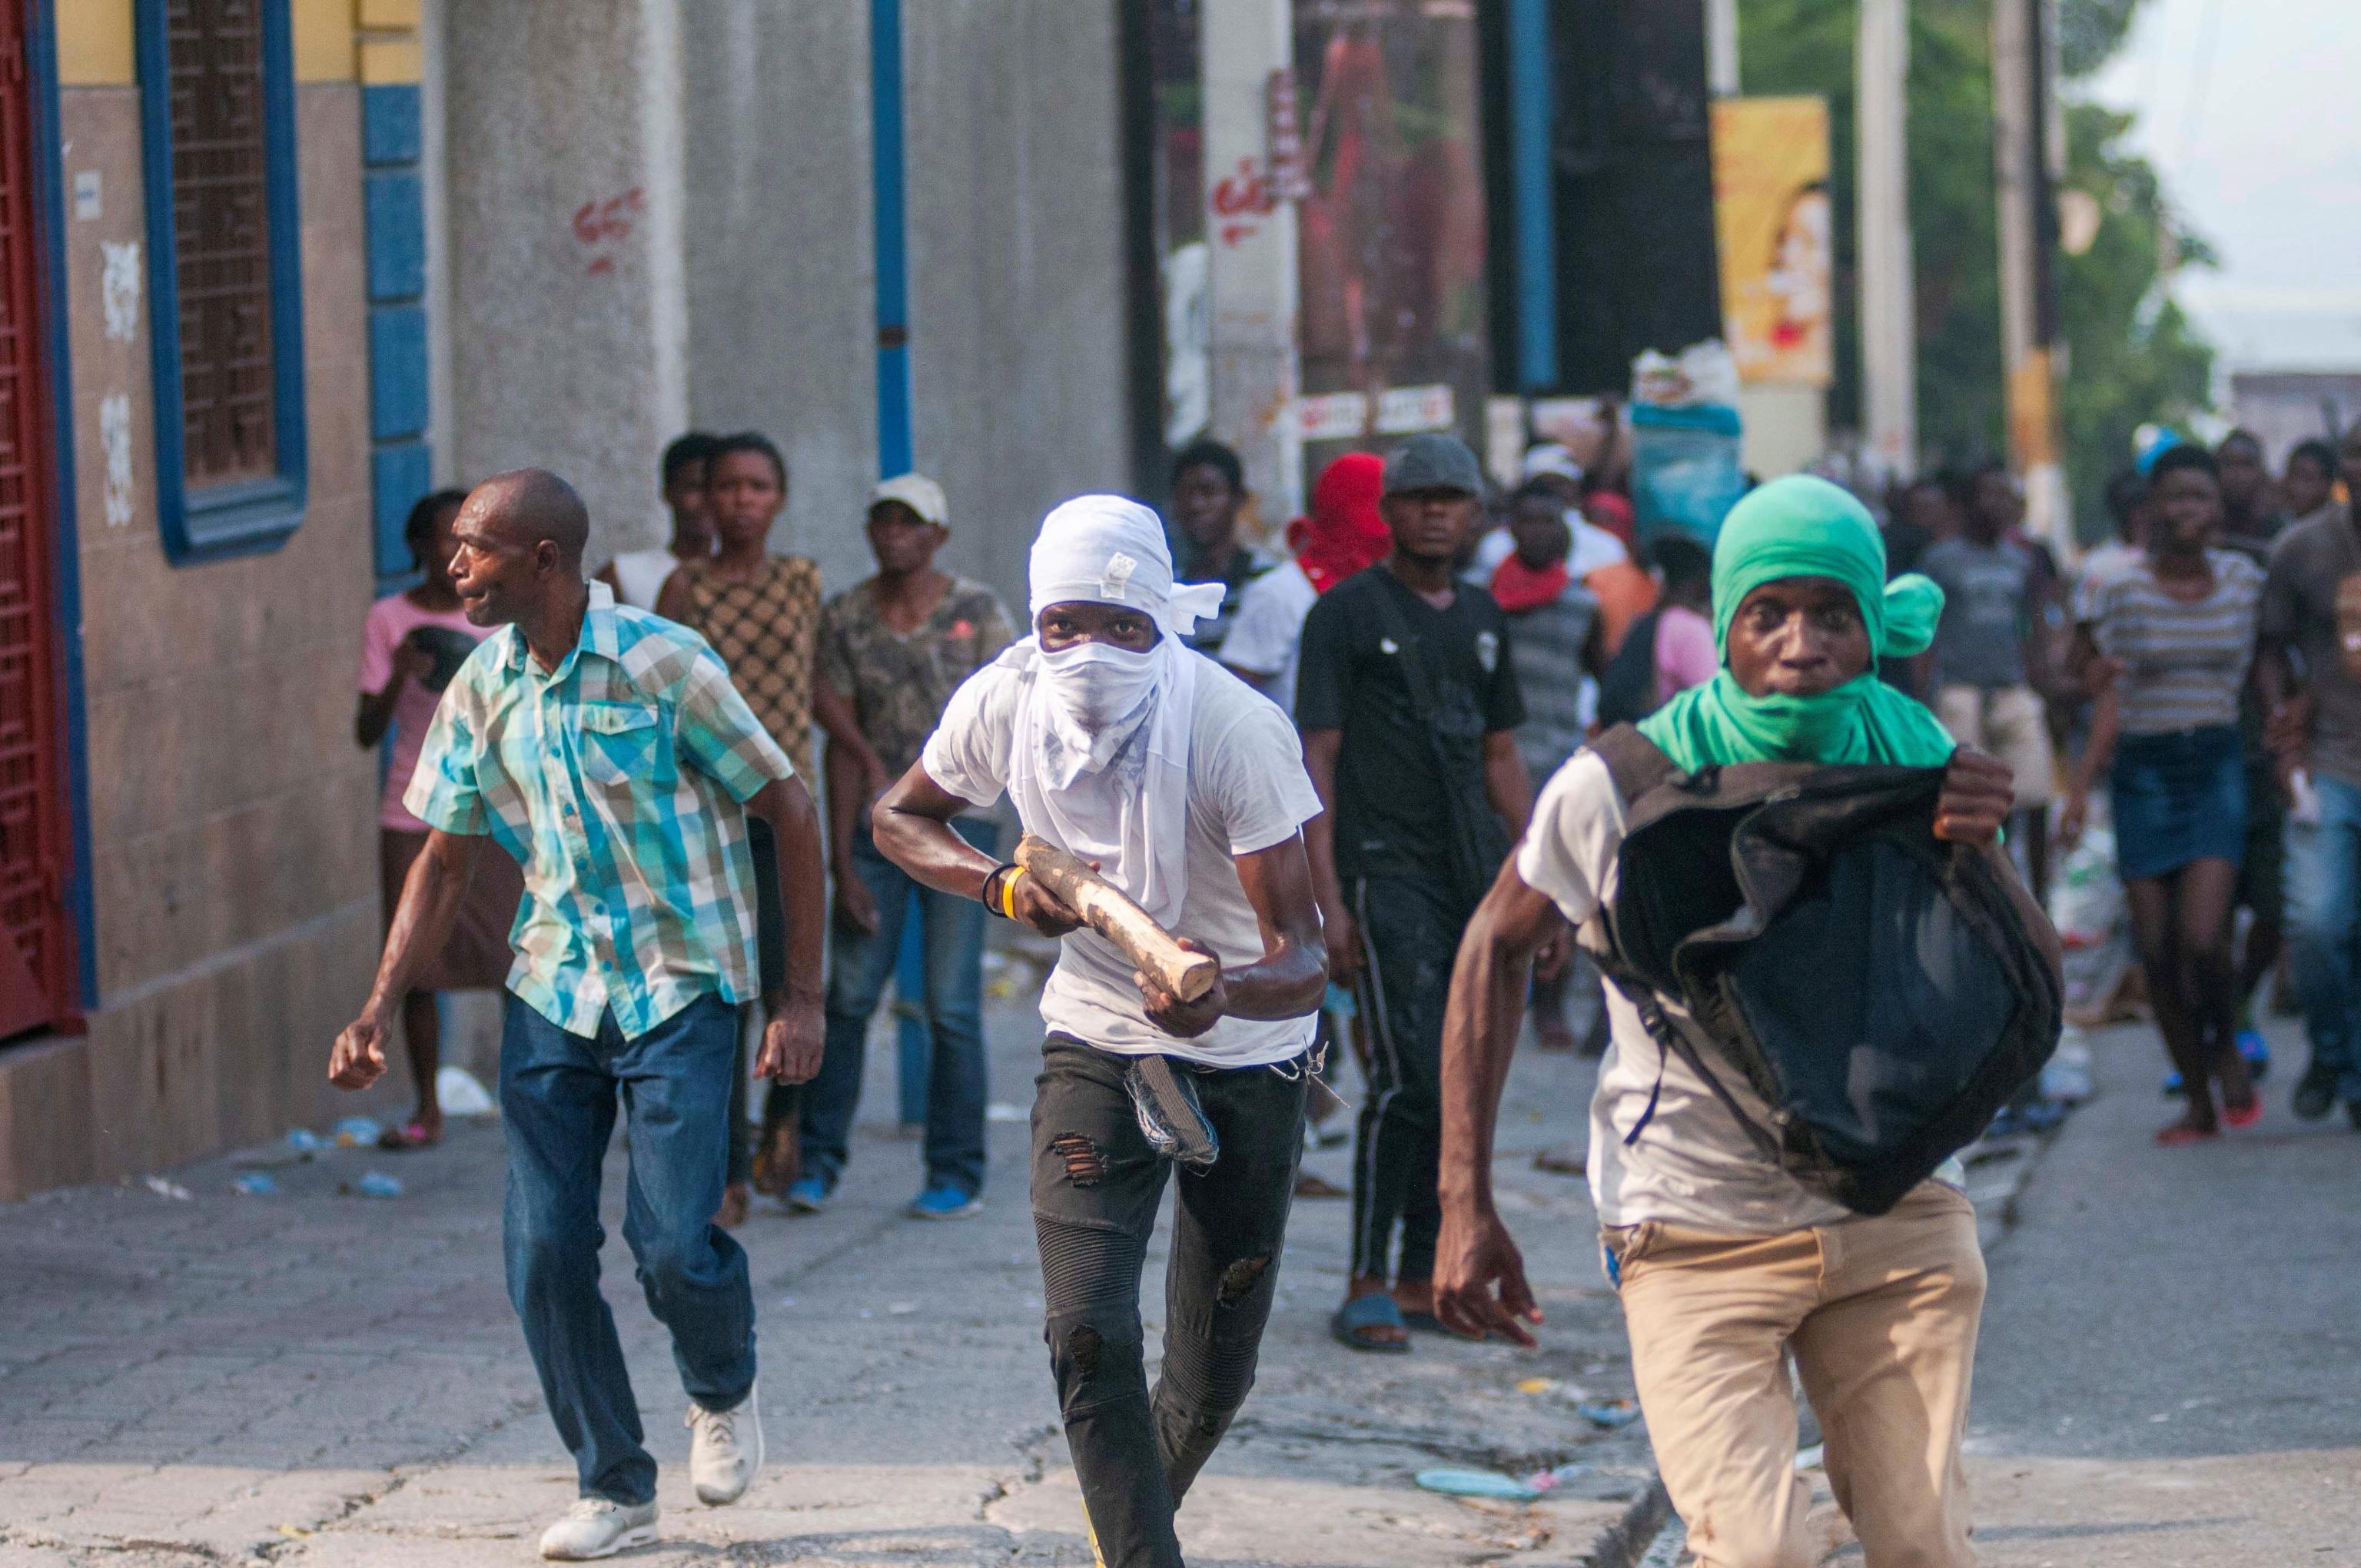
x=221, y=215
x=224, y=273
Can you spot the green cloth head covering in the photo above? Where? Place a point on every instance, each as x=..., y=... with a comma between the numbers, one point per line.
x=1805, y=527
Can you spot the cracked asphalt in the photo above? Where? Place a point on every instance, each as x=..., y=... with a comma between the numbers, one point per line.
x=321, y=1379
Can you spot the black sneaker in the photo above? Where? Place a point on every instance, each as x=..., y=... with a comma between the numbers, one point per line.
x=2315, y=1091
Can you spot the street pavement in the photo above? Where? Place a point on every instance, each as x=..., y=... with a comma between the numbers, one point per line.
x=2170, y=1368
x=325, y=1379
x=2170, y=1358
x=2166, y=1376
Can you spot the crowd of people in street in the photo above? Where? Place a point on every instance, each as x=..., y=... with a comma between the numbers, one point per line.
x=2193, y=673
x=1381, y=799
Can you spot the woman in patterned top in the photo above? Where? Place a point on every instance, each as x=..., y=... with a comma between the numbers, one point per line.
x=2175, y=631
x=761, y=613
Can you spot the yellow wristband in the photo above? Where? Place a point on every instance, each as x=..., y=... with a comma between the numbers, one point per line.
x=1009, y=892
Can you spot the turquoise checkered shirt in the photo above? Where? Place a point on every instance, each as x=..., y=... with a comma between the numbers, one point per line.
x=618, y=781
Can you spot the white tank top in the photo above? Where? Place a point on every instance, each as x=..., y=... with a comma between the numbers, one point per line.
x=640, y=574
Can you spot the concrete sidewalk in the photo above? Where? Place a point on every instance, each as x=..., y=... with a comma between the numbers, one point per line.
x=319, y=1378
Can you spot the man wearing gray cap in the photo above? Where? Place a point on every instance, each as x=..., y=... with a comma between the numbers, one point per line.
x=1408, y=706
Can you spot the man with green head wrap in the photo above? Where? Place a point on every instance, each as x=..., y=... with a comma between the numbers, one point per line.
x=1722, y=1260
x=1806, y=537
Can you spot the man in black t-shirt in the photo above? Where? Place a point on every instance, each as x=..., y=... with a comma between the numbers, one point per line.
x=1409, y=707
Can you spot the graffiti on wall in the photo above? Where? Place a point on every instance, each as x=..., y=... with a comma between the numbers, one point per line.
x=115, y=441
x=601, y=226
x=118, y=288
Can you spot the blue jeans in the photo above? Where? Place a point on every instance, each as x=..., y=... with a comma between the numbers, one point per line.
x=559, y=1095
x=2323, y=919
x=954, y=991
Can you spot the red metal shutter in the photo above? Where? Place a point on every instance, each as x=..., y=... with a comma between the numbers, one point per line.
x=36, y=946
x=221, y=218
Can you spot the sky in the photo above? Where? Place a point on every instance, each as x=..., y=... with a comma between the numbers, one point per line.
x=2247, y=110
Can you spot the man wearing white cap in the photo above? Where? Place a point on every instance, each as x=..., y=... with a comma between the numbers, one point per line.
x=1119, y=744
x=896, y=647
x=1553, y=466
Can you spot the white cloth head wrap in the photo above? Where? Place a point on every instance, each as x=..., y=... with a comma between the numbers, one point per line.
x=1110, y=550
x=1120, y=795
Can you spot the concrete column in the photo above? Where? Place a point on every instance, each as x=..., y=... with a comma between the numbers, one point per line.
x=1019, y=367
x=1721, y=48
x=1252, y=287
x=1786, y=426
x=781, y=334
x=562, y=184
x=1889, y=346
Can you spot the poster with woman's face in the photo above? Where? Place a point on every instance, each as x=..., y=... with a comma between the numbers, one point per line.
x=1775, y=226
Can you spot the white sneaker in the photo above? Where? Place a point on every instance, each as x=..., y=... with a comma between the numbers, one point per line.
x=597, y=1527
x=725, y=1449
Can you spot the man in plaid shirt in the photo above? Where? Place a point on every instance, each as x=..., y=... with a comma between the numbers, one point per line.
x=607, y=750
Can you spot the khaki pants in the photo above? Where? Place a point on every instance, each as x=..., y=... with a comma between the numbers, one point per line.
x=1882, y=1315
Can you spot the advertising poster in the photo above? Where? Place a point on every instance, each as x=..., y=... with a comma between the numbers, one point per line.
x=1774, y=222
x=1393, y=330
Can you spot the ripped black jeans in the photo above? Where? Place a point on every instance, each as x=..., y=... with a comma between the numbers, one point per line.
x=1097, y=1188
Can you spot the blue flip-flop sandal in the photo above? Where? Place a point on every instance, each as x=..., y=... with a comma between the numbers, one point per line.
x=1363, y=1313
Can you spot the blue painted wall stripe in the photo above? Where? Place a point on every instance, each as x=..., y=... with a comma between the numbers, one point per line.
x=396, y=205
x=891, y=238
x=1529, y=128
x=389, y=125
x=402, y=467
x=398, y=475
x=397, y=372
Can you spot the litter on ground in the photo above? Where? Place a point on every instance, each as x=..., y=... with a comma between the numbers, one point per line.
x=461, y=1094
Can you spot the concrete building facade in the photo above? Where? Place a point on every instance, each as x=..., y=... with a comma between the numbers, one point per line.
x=481, y=234
x=660, y=215
x=220, y=888
x=1025, y=246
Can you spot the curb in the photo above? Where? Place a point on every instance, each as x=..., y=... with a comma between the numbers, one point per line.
x=1625, y=1543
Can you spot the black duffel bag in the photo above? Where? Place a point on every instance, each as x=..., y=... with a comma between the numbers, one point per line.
x=1801, y=924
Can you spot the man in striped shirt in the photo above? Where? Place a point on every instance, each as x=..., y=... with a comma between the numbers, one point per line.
x=607, y=751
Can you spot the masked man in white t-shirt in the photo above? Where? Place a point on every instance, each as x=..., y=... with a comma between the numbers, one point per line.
x=1119, y=744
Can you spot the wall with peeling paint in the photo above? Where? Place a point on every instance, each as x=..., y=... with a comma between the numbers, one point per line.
x=230, y=815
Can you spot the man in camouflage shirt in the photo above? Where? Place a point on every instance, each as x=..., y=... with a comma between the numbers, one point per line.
x=896, y=646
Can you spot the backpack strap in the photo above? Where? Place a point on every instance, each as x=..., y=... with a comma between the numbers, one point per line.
x=1635, y=763
x=1668, y=1038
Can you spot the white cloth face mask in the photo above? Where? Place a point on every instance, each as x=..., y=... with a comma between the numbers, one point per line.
x=1096, y=684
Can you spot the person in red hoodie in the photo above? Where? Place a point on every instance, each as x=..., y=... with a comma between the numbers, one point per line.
x=1343, y=536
